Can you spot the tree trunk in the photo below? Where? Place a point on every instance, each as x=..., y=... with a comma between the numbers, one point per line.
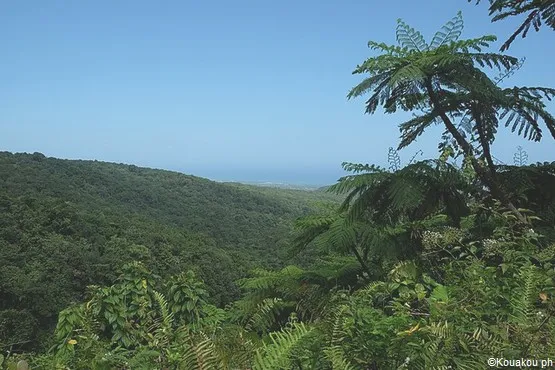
x=361, y=260
x=487, y=176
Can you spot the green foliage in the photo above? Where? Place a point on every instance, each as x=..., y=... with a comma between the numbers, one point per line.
x=532, y=187
x=446, y=81
x=415, y=191
x=384, y=212
x=133, y=325
x=277, y=353
x=186, y=297
x=426, y=266
x=66, y=225
x=537, y=12
x=16, y=327
x=480, y=287
x=445, y=77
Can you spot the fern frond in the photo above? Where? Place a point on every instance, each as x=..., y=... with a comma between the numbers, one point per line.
x=334, y=352
x=167, y=316
x=412, y=129
x=277, y=353
x=200, y=355
x=405, y=193
x=264, y=315
x=538, y=11
x=357, y=168
x=524, y=297
x=409, y=38
x=450, y=32
x=494, y=61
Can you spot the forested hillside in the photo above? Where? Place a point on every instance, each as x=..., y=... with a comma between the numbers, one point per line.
x=68, y=224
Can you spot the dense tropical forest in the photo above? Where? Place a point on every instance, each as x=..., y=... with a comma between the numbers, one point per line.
x=433, y=264
x=69, y=224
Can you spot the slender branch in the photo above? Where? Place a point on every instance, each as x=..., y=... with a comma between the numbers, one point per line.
x=484, y=143
x=15, y=344
x=361, y=260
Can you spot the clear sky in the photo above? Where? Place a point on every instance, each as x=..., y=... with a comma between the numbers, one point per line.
x=230, y=90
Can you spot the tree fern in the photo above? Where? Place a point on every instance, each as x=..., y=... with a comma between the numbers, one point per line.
x=419, y=188
x=446, y=81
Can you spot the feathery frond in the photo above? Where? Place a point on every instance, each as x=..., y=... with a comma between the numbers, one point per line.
x=276, y=354
x=538, y=12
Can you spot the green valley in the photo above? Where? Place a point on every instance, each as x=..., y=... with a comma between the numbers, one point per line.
x=68, y=224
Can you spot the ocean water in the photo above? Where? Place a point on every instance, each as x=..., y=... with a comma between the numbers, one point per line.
x=304, y=176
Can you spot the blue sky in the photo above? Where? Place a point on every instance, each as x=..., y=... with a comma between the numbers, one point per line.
x=241, y=90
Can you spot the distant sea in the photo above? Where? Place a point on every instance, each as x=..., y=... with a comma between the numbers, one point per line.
x=298, y=177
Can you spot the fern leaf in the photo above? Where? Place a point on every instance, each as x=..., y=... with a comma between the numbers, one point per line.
x=277, y=354
x=450, y=32
x=409, y=38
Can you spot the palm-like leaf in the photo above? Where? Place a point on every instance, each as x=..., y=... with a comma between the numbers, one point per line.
x=417, y=190
x=538, y=12
x=397, y=81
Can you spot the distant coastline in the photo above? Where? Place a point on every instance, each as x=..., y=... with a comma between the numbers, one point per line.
x=308, y=187
x=298, y=178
